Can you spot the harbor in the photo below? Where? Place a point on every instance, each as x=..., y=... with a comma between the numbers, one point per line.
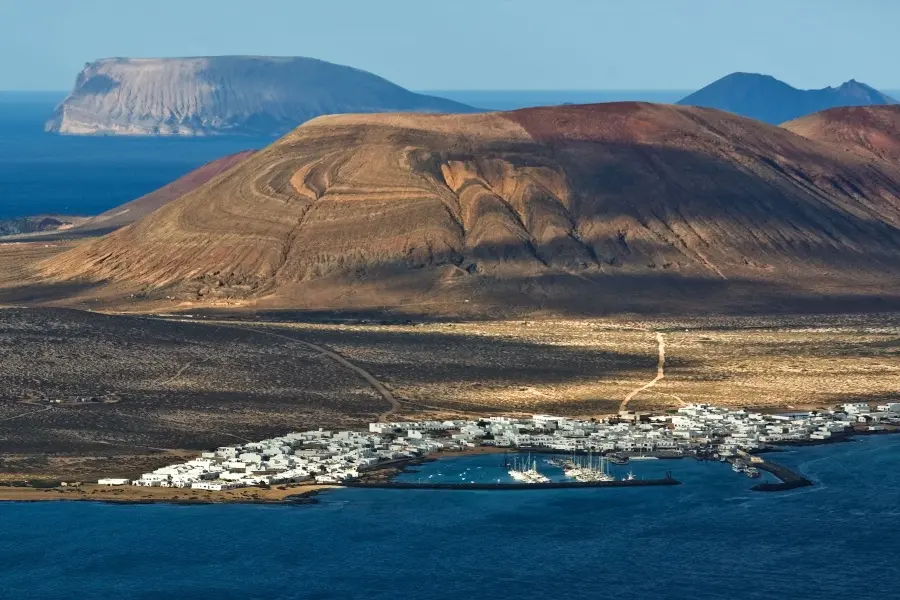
x=541, y=485
x=584, y=450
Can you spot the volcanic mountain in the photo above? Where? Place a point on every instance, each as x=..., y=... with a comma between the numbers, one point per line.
x=247, y=95
x=590, y=209
x=767, y=99
x=868, y=130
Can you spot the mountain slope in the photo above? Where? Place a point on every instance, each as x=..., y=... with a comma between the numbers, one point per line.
x=767, y=99
x=141, y=207
x=224, y=95
x=624, y=206
x=867, y=130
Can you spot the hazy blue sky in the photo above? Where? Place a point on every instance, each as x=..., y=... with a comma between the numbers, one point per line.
x=473, y=44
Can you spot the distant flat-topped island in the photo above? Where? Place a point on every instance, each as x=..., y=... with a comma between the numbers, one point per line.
x=224, y=95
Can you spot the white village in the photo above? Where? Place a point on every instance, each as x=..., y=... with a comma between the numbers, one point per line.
x=333, y=457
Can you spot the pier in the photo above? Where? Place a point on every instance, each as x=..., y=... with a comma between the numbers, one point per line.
x=553, y=485
x=790, y=479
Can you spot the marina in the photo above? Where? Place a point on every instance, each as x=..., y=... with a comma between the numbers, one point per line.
x=541, y=485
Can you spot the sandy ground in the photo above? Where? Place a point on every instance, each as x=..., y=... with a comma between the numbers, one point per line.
x=133, y=494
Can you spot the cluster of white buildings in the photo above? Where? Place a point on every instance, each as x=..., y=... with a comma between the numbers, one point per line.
x=334, y=456
x=321, y=456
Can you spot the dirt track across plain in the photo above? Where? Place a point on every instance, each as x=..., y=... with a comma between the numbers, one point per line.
x=368, y=377
x=660, y=374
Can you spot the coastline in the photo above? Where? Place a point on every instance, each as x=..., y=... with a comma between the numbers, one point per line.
x=295, y=494
x=379, y=476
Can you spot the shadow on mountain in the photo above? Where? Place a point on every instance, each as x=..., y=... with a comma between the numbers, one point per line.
x=454, y=358
x=570, y=296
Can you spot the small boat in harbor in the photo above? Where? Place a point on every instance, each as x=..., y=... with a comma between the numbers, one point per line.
x=527, y=472
x=587, y=470
x=738, y=466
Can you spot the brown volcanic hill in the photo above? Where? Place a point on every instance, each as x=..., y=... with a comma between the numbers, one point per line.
x=612, y=207
x=868, y=130
x=141, y=207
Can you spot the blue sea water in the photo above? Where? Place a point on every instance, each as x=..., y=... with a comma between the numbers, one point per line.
x=46, y=173
x=709, y=539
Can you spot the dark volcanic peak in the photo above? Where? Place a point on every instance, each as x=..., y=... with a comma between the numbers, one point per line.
x=247, y=95
x=867, y=130
x=612, y=207
x=37, y=224
x=767, y=99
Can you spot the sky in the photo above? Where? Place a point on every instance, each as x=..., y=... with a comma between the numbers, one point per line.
x=473, y=44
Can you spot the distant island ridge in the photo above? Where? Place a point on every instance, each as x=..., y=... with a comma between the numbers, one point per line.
x=764, y=98
x=259, y=95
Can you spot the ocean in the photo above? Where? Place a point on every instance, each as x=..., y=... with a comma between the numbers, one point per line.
x=46, y=173
x=708, y=539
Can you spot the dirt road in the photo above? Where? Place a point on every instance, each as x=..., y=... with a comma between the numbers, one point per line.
x=26, y=414
x=660, y=374
x=368, y=377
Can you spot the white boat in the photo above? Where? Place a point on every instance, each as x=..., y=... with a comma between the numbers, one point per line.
x=518, y=475
x=522, y=472
x=587, y=470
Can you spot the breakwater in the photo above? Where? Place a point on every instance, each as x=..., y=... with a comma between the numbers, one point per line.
x=790, y=479
x=662, y=454
x=553, y=485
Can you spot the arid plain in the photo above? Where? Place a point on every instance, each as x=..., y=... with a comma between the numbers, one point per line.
x=138, y=392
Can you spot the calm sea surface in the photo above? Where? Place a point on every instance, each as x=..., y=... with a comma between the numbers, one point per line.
x=710, y=538
x=46, y=173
